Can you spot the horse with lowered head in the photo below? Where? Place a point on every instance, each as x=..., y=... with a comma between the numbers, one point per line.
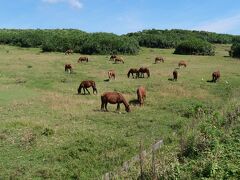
x=82, y=58
x=112, y=57
x=133, y=71
x=141, y=95
x=159, y=59
x=86, y=84
x=182, y=63
x=119, y=59
x=215, y=76
x=111, y=74
x=68, y=67
x=114, y=98
x=143, y=70
x=69, y=51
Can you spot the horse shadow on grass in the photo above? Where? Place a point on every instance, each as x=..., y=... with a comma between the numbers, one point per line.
x=106, y=80
x=134, y=102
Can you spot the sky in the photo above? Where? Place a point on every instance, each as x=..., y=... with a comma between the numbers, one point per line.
x=122, y=16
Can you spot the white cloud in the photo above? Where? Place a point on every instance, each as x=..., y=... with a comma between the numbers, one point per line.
x=73, y=3
x=224, y=25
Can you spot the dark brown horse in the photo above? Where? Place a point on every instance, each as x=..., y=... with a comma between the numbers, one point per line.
x=111, y=74
x=133, y=71
x=112, y=57
x=119, y=59
x=114, y=98
x=159, y=59
x=68, y=67
x=215, y=76
x=82, y=58
x=69, y=51
x=86, y=84
x=141, y=95
x=175, y=75
x=143, y=70
x=182, y=63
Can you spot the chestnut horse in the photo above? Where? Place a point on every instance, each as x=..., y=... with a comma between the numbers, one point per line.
x=82, y=58
x=159, y=59
x=175, y=75
x=112, y=57
x=141, y=95
x=68, y=67
x=113, y=98
x=132, y=71
x=111, y=74
x=215, y=76
x=86, y=84
x=119, y=59
x=69, y=51
x=182, y=63
x=143, y=70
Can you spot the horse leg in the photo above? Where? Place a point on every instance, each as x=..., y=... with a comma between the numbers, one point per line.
x=84, y=90
x=106, y=106
x=118, y=106
x=88, y=91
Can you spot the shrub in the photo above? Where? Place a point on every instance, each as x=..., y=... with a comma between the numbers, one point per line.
x=195, y=47
x=235, y=50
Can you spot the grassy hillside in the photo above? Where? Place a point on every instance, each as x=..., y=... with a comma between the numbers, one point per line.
x=48, y=131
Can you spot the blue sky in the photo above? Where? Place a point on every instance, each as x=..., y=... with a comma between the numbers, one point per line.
x=122, y=16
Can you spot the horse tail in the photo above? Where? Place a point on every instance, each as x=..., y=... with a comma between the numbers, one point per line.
x=128, y=74
x=94, y=87
x=79, y=88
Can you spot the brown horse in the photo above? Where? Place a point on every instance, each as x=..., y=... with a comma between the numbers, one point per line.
x=215, y=76
x=143, y=70
x=141, y=95
x=159, y=59
x=114, y=98
x=119, y=59
x=86, y=84
x=111, y=74
x=175, y=75
x=68, y=67
x=69, y=51
x=112, y=57
x=82, y=58
x=133, y=71
x=182, y=63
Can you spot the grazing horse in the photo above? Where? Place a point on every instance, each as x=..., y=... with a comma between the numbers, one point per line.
x=69, y=51
x=82, y=58
x=119, y=59
x=86, y=84
x=141, y=95
x=182, y=63
x=68, y=67
x=132, y=71
x=159, y=59
x=112, y=57
x=113, y=98
x=143, y=70
x=215, y=76
x=111, y=74
x=175, y=75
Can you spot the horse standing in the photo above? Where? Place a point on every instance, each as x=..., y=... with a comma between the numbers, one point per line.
x=112, y=57
x=82, y=58
x=215, y=76
x=143, y=70
x=68, y=67
x=159, y=59
x=141, y=95
x=86, y=84
x=175, y=75
x=133, y=71
x=111, y=74
x=114, y=98
x=119, y=59
x=182, y=63
x=69, y=51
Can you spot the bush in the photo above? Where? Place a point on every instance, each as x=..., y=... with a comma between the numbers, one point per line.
x=235, y=50
x=195, y=47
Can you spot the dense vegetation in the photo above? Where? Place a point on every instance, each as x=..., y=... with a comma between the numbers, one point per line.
x=171, y=38
x=235, y=50
x=195, y=47
x=78, y=41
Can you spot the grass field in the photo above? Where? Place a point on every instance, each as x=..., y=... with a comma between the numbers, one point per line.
x=48, y=131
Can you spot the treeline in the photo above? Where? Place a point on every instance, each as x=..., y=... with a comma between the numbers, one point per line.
x=78, y=41
x=171, y=38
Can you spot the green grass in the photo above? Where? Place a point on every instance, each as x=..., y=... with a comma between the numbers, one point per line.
x=48, y=131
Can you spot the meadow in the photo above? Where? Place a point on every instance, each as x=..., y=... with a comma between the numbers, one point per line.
x=47, y=130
